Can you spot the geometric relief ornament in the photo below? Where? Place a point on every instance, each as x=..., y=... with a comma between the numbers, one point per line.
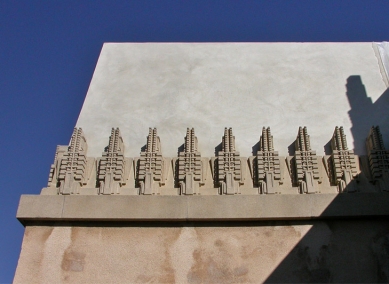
x=268, y=164
x=229, y=165
x=344, y=167
x=378, y=159
x=113, y=167
x=151, y=165
x=190, y=165
x=71, y=168
x=306, y=163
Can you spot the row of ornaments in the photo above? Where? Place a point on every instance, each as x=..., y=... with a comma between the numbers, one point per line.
x=72, y=168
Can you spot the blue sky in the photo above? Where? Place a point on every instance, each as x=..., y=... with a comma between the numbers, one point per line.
x=49, y=49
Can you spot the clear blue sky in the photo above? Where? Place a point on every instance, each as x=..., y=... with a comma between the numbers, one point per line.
x=48, y=51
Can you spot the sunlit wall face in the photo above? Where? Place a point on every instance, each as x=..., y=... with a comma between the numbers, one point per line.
x=245, y=86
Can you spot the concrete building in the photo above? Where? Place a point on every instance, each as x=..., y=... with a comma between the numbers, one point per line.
x=220, y=163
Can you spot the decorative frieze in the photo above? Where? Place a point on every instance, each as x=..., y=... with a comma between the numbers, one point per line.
x=190, y=165
x=378, y=158
x=71, y=168
x=113, y=167
x=268, y=164
x=74, y=173
x=343, y=160
x=151, y=165
x=306, y=163
x=229, y=165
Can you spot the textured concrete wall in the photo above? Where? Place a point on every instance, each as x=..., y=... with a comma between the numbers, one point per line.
x=245, y=86
x=320, y=251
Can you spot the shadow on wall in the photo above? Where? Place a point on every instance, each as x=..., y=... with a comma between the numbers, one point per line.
x=344, y=250
x=364, y=113
x=338, y=251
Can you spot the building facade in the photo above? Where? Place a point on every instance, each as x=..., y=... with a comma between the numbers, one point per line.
x=220, y=163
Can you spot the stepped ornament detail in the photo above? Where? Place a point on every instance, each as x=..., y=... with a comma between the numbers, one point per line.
x=306, y=163
x=229, y=165
x=112, y=167
x=268, y=164
x=190, y=165
x=72, y=164
x=378, y=158
x=53, y=175
x=151, y=165
x=73, y=172
x=343, y=160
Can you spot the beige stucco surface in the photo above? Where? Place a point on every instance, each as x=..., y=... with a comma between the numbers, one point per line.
x=332, y=251
x=209, y=208
x=245, y=86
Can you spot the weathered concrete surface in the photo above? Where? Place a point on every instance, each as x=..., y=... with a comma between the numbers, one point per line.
x=207, y=208
x=245, y=86
x=316, y=251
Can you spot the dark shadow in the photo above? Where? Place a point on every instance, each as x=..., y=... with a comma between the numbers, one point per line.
x=327, y=148
x=330, y=173
x=255, y=148
x=255, y=172
x=364, y=113
x=216, y=176
x=292, y=148
x=137, y=181
x=291, y=152
x=215, y=165
x=346, y=249
x=180, y=149
x=349, y=248
x=176, y=167
x=143, y=149
x=176, y=175
x=254, y=165
x=218, y=148
x=336, y=259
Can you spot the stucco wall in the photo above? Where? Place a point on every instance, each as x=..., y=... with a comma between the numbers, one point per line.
x=245, y=86
x=329, y=251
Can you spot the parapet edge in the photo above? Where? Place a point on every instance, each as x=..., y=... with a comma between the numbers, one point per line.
x=33, y=208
